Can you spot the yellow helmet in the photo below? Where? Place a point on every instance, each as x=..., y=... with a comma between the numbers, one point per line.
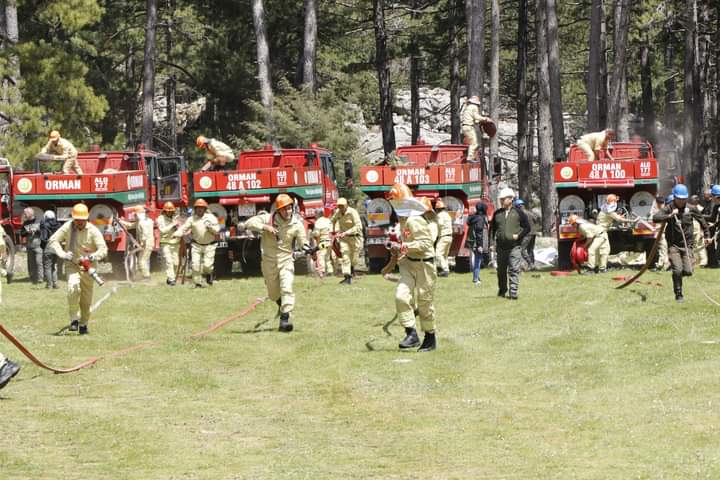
x=54, y=135
x=80, y=212
x=168, y=207
x=200, y=141
x=200, y=203
x=282, y=201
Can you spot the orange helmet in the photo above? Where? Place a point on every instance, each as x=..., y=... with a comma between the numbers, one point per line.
x=399, y=191
x=200, y=141
x=427, y=203
x=282, y=201
x=54, y=135
x=572, y=219
x=168, y=207
x=200, y=203
x=439, y=204
x=80, y=212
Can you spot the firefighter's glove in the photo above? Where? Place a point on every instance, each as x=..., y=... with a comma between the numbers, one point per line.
x=91, y=257
x=395, y=248
x=68, y=256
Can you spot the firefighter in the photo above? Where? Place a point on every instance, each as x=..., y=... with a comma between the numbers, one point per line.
x=347, y=221
x=597, y=244
x=203, y=226
x=661, y=262
x=280, y=233
x=431, y=218
x=75, y=240
x=31, y=232
x=8, y=369
x=679, y=235
x=471, y=117
x=712, y=216
x=608, y=215
x=218, y=153
x=61, y=149
x=444, y=239
x=508, y=227
x=418, y=275
x=700, y=255
x=593, y=143
x=144, y=227
x=168, y=224
x=322, y=235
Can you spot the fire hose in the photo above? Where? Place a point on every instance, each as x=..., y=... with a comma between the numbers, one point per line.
x=649, y=260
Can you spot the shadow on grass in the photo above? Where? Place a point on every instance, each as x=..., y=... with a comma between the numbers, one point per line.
x=643, y=297
x=254, y=330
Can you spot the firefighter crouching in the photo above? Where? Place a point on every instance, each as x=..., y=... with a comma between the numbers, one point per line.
x=597, y=243
x=167, y=224
x=350, y=236
x=321, y=233
x=418, y=275
x=145, y=236
x=219, y=155
x=444, y=240
x=592, y=143
x=62, y=149
x=679, y=235
x=76, y=239
x=279, y=233
x=203, y=226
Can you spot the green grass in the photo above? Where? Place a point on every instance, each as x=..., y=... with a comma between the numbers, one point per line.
x=575, y=380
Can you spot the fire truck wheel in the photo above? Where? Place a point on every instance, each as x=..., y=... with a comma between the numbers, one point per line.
x=117, y=262
x=223, y=265
x=376, y=264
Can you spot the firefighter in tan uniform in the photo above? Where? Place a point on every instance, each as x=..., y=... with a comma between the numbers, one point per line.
x=218, y=153
x=144, y=234
x=444, y=240
x=322, y=234
x=471, y=116
x=608, y=213
x=203, y=226
x=62, y=149
x=592, y=143
x=281, y=233
x=168, y=224
x=417, y=269
x=76, y=239
x=700, y=255
x=597, y=243
x=347, y=221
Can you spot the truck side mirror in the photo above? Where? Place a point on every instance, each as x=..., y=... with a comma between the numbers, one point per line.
x=348, y=170
x=497, y=165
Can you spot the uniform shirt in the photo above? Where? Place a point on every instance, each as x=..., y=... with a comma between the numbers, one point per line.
x=278, y=247
x=323, y=227
x=64, y=149
x=80, y=243
x=202, y=229
x=167, y=226
x=218, y=152
x=433, y=226
x=590, y=230
x=674, y=230
x=444, y=221
x=143, y=231
x=349, y=222
x=596, y=140
x=416, y=238
x=606, y=219
x=471, y=115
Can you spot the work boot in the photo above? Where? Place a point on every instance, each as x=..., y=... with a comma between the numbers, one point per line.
x=74, y=325
x=411, y=339
x=502, y=293
x=55, y=286
x=199, y=285
x=285, y=325
x=209, y=279
x=429, y=344
x=443, y=273
x=347, y=280
x=8, y=370
x=677, y=288
x=170, y=282
x=9, y=277
x=83, y=330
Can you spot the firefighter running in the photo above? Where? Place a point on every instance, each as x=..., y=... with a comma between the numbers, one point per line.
x=350, y=235
x=219, y=155
x=418, y=275
x=444, y=240
x=593, y=143
x=62, y=149
x=322, y=235
x=76, y=241
x=167, y=224
x=281, y=233
x=202, y=226
x=471, y=116
x=145, y=237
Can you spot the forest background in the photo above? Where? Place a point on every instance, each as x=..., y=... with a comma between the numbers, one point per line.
x=160, y=72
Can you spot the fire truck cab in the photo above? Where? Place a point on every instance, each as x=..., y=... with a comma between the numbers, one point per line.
x=582, y=186
x=435, y=171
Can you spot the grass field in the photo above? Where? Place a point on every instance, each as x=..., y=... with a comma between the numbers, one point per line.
x=575, y=380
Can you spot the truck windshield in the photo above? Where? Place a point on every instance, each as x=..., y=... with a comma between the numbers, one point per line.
x=328, y=165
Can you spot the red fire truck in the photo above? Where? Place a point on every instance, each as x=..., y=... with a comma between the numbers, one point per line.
x=306, y=174
x=435, y=171
x=112, y=184
x=582, y=187
x=6, y=214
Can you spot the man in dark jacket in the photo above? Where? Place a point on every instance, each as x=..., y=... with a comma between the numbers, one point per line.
x=31, y=232
x=679, y=235
x=711, y=212
x=508, y=227
x=48, y=226
x=477, y=238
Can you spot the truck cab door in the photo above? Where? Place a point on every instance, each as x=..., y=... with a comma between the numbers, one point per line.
x=170, y=176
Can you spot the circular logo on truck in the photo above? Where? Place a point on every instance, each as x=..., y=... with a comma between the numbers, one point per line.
x=566, y=173
x=205, y=182
x=24, y=185
x=372, y=176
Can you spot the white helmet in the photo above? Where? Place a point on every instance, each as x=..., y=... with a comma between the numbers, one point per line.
x=506, y=192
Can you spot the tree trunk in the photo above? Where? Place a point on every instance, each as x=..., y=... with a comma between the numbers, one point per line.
x=475, y=11
x=149, y=74
x=648, y=105
x=171, y=84
x=594, y=65
x=494, y=73
x=547, y=192
x=309, y=45
x=622, y=19
x=692, y=102
x=523, y=101
x=454, y=9
x=603, y=85
x=131, y=102
x=556, y=106
x=263, y=60
x=383, y=71
x=670, y=86
x=415, y=77
x=10, y=91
